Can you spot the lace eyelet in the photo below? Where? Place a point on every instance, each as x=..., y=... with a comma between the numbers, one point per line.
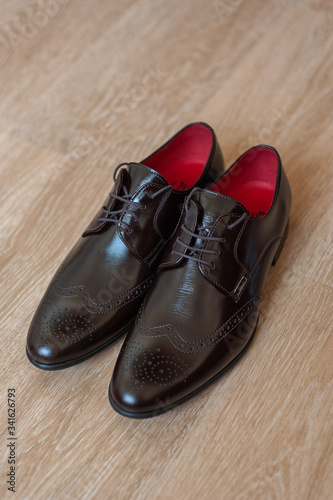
x=212, y=266
x=218, y=253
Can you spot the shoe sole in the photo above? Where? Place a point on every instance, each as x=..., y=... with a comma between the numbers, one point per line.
x=160, y=411
x=80, y=359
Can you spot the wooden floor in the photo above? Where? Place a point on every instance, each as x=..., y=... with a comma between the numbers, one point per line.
x=87, y=85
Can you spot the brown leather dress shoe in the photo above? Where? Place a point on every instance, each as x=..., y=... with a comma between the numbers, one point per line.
x=96, y=293
x=201, y=312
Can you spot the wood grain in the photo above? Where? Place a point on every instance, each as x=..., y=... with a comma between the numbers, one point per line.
x=86, y=85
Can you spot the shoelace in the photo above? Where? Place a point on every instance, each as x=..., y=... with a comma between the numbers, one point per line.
x=193, y=251
x=114, y=215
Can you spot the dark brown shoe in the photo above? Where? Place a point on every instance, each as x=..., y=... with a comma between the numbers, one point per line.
x=96, y=293
x=201, y=312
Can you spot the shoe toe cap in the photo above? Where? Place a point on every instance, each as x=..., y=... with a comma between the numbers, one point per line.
x=148, y=380
x=57, y=333
x=40, y=354
x=140, y=402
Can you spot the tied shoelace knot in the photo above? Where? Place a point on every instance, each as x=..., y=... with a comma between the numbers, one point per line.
x=193, y=252
x=114, y=216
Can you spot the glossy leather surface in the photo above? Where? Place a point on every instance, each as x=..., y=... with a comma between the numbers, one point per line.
x=197, y=318
x=97, y=291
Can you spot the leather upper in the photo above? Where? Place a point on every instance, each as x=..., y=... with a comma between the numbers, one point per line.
x=203, y=306
x=98, y=289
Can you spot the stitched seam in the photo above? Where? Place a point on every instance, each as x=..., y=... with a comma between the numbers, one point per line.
x=177, y=226
x=162, y=203
x=219, y=195
x=236, y=246
x=146, y=259
x=186, y=237
x=172, y=237
x=206, y=336
x=210, y=345
x=189, y=344
x=266, y=250
x=157, y=252
x=101, y=224
x=118, y=306
x=203, y=269
x=233, y=316
x=122, y=237
x=258, y=262
x=153, y=250
x=150, y=171
x=219, y=339
x=58, y=279
x=128, y=244
x=111, y=302
x=162, y=240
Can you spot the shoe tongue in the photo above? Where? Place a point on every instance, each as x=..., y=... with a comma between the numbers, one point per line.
x=211, y=205
x=137, y=175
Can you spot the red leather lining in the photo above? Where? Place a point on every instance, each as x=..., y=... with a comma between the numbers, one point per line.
x=182, y=160
x=252, y=180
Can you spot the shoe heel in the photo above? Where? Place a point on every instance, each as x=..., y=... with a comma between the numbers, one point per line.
x=282, y=242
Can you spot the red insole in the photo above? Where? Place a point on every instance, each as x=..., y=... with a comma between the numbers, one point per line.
x=182, y=160
x=252, y=180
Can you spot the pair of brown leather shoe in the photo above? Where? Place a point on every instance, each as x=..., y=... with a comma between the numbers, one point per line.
x=178, y=255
